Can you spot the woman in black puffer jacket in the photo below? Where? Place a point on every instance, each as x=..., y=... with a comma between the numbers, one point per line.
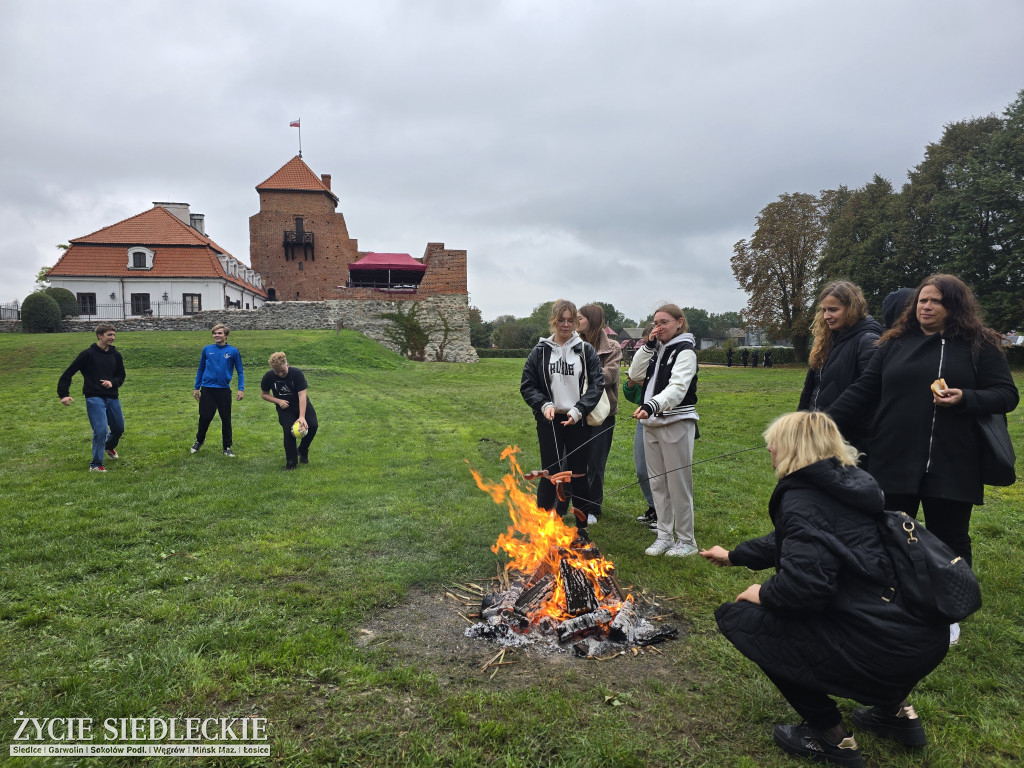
x=819, y=626
x=844, y=341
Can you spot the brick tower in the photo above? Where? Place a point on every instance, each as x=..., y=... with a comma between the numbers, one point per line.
x=297, y=241
x=300, y=246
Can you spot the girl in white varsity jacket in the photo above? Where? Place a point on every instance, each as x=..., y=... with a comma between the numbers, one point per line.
x=562, y=382
x=667, y=364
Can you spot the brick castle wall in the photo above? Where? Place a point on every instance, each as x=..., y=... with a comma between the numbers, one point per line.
x=359, y=314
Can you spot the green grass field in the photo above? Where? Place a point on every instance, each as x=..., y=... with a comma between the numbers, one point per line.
x=200, y=586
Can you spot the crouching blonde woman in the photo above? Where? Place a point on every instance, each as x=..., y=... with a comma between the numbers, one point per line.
x=818, y=627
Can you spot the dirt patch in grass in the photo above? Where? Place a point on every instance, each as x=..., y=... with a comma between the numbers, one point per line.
x=428, y=632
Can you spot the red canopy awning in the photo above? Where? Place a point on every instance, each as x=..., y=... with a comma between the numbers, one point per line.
x=397, y=262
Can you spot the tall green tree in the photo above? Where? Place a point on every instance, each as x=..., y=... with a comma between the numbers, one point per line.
x=862, y=241
x=699, y=322
x=479, y=331
x=722, y=323
x=778, y=268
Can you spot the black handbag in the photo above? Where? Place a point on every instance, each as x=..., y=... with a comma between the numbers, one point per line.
x=997, y=456
x=932, y=582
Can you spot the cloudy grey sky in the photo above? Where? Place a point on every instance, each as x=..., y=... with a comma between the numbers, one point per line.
x=609, y=150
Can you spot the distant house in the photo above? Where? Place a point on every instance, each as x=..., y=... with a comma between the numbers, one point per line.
x=159, y=262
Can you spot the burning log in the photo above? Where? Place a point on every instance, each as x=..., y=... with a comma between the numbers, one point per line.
x=533, y=598
x=503, y=602
x=656, y=636
x=556, y=586
x=571, y=629
x=579, y=592
x=610, y=586
x=623, y=626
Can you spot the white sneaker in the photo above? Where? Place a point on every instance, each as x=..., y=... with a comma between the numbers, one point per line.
x=681, y=549
x=591, y=519
x=659, y=547
x=954, y=633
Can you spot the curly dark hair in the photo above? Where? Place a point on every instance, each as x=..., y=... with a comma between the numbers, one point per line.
x=963, y=320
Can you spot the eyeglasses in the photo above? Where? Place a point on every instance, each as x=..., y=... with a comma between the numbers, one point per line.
x=570, y=321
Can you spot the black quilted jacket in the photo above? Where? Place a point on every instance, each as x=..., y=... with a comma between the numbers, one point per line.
x=822, y=622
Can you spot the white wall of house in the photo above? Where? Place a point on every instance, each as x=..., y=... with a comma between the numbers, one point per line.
x=183, y=295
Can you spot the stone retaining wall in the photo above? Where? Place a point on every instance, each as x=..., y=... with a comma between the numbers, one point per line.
x=358, y=315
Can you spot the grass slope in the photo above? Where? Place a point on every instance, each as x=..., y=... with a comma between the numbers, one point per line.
x=198, y=586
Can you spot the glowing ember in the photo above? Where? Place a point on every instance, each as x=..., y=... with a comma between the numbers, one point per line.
x=558, y=581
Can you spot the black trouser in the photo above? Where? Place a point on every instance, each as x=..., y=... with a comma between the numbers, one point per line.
x=215, y=400
x=817, y=708
x=558, y=452
x=947, y=519
x=293, y=450
x=599, y=447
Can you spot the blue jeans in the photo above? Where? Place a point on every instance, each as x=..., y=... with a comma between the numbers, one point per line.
x=105, y=417
x=640, y=463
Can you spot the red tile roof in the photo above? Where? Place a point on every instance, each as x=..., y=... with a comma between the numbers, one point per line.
x=181, y=251
x=155, y=226
x=295, y=176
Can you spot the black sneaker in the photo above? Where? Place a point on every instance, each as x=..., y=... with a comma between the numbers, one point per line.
x=290, y=466
x=303, y=458
x=904, y=727
x=195, y=447
x=228, y=452
x=804, y=741
x=647, y=517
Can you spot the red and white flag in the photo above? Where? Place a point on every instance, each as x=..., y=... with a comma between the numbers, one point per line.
x=294, y=124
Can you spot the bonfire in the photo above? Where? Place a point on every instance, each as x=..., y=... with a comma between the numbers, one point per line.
x=557, y=588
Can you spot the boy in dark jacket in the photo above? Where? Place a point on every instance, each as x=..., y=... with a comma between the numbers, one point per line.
x=102, y=371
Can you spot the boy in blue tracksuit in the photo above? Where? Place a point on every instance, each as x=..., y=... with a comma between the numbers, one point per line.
x=213, y=386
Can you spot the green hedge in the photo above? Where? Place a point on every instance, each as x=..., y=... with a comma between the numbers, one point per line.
x=524, y=353
x=716, y=356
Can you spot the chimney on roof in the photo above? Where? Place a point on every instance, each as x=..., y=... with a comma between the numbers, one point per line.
x=178, y=209
x=198, y=222
x=326, y=179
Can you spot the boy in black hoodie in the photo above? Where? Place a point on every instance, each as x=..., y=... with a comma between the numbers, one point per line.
x=103, y=373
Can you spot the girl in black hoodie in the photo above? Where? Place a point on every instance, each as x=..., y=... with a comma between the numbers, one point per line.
x=844, y=341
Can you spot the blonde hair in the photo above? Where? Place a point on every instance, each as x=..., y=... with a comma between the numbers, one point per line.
x=850, y=296
x=558, y=309
x=805, y=437
x=221, y=327
x=278, y=361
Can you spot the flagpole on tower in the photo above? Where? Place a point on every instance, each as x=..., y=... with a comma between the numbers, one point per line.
x=297, y=124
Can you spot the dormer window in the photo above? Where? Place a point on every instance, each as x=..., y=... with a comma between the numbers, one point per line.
x=140, y=258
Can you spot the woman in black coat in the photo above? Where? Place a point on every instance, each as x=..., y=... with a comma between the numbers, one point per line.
x=562, y=382
x=819, y=626
x=926, y=449
x=844, y=341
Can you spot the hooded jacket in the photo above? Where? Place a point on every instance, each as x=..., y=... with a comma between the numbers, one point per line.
x=536, y=384
x=822, y=622
x=851, y=351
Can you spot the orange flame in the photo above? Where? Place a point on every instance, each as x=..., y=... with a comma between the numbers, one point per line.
x=537, y=538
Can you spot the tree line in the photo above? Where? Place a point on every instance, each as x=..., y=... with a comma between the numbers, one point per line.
x=511, y=332
x=960, y=211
